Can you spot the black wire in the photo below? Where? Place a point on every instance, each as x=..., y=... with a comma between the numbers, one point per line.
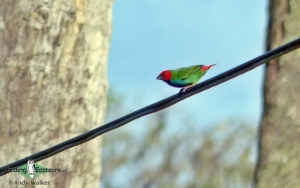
x=223, y=77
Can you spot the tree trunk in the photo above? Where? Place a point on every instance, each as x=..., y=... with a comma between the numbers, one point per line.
x=53, y=84
x=279, y=148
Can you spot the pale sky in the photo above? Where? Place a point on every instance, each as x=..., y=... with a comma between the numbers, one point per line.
x=152, y=35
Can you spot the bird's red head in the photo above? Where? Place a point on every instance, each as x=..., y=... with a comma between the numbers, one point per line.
x=164, y=75
x=205, y=68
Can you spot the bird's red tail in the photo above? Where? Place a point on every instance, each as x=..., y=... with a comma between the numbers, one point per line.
x=205, y=68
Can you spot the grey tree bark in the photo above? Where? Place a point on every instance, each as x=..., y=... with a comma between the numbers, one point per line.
x=279, y=152
x=53, y=84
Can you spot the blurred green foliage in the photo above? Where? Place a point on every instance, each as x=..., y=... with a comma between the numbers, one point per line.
x=220, y=156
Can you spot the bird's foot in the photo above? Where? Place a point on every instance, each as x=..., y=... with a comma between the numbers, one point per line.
x=182, y=91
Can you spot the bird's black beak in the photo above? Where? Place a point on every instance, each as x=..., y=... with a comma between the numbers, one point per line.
x=159, y=77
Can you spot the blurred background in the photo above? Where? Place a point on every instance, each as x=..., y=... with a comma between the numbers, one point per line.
x=54, y=60
x=208, y=140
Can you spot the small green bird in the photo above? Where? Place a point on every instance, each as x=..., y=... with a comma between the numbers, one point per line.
x=184, y=77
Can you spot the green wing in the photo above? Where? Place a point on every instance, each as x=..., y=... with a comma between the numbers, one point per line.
x=184, y=73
